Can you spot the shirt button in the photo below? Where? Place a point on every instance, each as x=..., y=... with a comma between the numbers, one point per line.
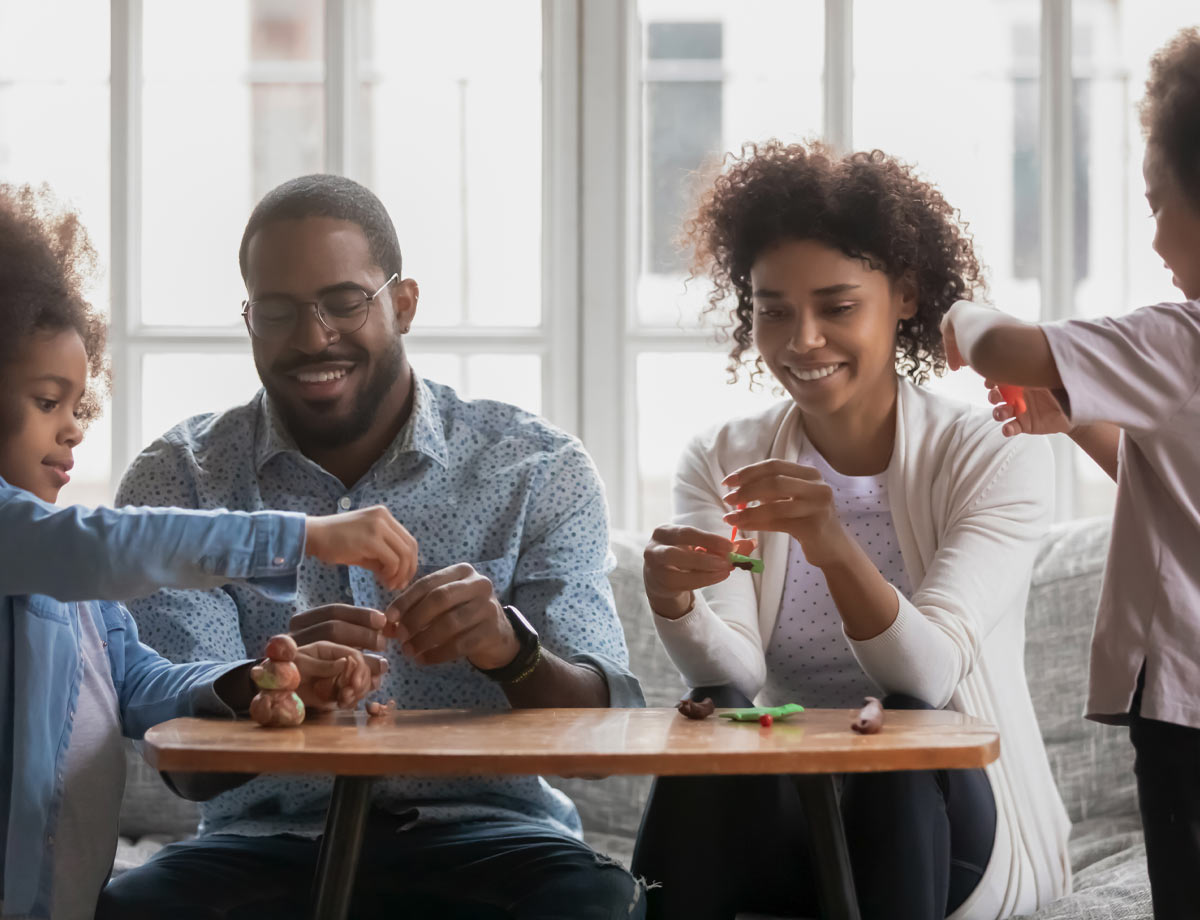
x=279, y=560
x=50, y=840
x=344, y=503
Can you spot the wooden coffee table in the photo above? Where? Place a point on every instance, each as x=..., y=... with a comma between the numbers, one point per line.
x=813, y=746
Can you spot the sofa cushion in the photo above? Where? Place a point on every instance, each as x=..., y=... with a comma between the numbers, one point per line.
x=149, y=806
x=1092, y=763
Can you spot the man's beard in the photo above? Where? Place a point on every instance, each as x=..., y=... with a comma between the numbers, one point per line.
x=308, y=428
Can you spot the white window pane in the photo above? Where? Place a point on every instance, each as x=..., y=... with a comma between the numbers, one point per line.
x=92, y=482
x=440, y=368
x=678, y=396
x=232, y=106
x=515, y=379
x=54, y=105
x=510, y=378
x=714, y=75
x=453, y=126
x=1113, y=43
x=964, y=109
x=178, y=386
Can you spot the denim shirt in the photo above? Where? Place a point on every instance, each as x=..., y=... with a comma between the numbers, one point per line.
x=58, y=564
x=474, y=481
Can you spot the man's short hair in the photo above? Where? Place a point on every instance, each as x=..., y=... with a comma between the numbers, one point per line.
x=325, y=195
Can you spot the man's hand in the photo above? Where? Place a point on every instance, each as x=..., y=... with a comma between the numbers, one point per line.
x=450, y=614
x=370, y=538
x=333, y=675
x=358, y=627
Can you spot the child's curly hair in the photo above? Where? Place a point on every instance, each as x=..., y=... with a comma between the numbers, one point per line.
x=867, y=205
x=1170, y=109
x=46, y=259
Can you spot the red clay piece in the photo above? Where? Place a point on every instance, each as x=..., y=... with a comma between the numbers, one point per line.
x=1014, y=396
x=765, y=720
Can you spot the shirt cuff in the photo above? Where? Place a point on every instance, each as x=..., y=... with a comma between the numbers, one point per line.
x=206, y=702
x=624, y=690
x=1073, y=396
x=279, y=540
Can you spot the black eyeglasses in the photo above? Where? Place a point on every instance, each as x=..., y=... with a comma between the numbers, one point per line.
x=342, y=311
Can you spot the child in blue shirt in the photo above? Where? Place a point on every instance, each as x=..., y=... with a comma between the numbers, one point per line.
x=73, y=676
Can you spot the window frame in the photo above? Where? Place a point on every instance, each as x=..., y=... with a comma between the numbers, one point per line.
x=554, y=340
x=589, y=338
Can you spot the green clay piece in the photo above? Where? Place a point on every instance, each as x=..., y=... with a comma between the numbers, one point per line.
x=753, y=715
x=749, y=563
x=266, y=680
x=299, y=704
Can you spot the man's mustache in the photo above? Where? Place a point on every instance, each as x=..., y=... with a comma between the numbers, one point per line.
x=325, y=357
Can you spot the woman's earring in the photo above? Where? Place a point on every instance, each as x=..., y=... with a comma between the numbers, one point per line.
x=404, y=331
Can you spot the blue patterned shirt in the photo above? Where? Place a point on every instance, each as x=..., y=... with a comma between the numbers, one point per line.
x=473, y=481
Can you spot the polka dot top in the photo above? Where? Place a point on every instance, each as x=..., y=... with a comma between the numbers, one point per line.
x=809, y=660
x=474, y=481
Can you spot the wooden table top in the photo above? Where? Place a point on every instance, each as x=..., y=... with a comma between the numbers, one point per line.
x=566, y=742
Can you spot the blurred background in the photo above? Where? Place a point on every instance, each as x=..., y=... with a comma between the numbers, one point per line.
x=536, y=158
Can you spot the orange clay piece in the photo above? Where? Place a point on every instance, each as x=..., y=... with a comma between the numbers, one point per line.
x=282, y=648
x=277, y=709
x=375, y=708
x=276, y=675
x=277, y=704
x=733, y=536
x=1014, y=396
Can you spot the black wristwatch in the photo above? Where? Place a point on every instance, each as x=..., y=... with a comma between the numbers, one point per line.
x=528, y=656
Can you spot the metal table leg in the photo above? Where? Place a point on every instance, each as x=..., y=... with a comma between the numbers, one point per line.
x=336, y=866
x=836, y=882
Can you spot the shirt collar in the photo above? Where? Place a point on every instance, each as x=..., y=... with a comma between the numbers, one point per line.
x=424, y=433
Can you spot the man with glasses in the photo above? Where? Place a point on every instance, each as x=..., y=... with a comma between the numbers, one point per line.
x=511, y=606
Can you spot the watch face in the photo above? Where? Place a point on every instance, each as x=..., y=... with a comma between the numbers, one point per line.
x=520, y=624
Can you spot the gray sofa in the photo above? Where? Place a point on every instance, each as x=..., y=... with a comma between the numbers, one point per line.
x=1092, y=763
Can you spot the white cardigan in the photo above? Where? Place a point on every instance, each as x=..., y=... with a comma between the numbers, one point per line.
x=969, y=507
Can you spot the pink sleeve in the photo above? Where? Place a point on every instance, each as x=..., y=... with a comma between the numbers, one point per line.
x=1134, y=371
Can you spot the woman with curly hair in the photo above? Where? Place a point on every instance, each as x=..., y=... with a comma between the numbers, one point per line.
x=1127, y=391
x=73, y=676
x=897, y=532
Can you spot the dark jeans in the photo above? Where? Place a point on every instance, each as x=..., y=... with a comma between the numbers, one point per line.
x=479, y=870
x=1167, y=766
x=918, y=841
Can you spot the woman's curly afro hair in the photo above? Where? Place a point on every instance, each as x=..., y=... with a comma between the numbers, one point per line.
x=46, y=260
x=869, y=206
x=1170, y=109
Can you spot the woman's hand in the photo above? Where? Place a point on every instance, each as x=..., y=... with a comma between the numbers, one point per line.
x=333, y=675
x=1043, y=414
x=679, y=560
x=791, y=499
x=370, y=538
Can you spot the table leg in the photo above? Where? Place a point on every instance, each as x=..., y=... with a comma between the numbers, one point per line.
x=338, y=862
x=834, y=878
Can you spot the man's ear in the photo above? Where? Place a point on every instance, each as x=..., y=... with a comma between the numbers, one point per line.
x=905, y=292
x=404, y=303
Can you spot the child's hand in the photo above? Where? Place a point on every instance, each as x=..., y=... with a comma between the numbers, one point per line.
x=370, y=538
x=1043, y=414
x=333, y=675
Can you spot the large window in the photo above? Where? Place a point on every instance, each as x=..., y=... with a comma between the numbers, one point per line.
x=538, y=166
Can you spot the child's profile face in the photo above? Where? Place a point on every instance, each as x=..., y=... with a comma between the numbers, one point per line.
x=1177, y=224
x=43, y=391
x=825, y=325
